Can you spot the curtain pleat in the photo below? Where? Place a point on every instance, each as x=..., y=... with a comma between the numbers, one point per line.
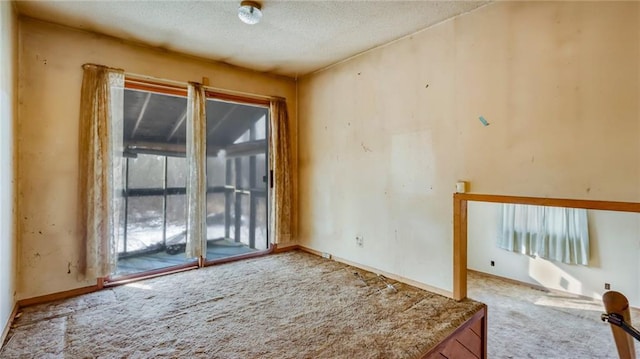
x=280, y=158
x=101, y=170
x=196, y=180
x=555, y=233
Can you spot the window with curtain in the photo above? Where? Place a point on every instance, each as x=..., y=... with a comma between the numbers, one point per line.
x=554, y=233
x=129, y=161
x=101, y=167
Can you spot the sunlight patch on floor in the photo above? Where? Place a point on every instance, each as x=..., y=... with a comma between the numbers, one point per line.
x=567, y=303
x=139, y=285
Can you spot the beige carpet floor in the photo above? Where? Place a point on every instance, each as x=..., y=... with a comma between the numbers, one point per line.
x=290, y=305
x=530, y=323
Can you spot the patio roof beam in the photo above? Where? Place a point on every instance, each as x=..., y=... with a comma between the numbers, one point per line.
x=141, y=114
x=224, y=119
x=177, y=125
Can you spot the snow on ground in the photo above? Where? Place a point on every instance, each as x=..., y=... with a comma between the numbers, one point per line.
x=144, y=236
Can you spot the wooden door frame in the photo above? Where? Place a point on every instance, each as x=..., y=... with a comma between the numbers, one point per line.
x=460, y=201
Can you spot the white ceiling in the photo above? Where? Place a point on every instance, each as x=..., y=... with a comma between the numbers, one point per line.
x=293, y=38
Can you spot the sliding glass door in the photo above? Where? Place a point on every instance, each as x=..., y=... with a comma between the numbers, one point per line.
x=153, y=235
x=236, y=179
x=154, y=189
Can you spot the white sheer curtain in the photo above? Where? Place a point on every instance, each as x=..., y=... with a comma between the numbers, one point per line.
x=101, y=167
x=196, y=167
x=554, y=233
x=280, y=158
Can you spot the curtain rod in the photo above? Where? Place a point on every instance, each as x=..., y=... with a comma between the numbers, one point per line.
x=89, y=64
x=135, y=76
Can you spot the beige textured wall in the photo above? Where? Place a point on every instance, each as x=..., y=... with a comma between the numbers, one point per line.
x=8, y=113
x=385, y=136
x=50, y=80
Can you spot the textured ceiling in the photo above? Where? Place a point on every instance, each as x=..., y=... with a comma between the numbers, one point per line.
x=293, y=38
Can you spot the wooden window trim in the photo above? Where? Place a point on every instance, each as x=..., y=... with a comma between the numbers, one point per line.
x=162, y=88
x=154, y=87
x=244, y=100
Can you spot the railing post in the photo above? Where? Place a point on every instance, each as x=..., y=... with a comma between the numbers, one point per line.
x=126, y=205
x=459, y=248
x=164, y=204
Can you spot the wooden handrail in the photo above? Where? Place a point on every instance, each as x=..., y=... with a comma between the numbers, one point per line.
x=616, y=302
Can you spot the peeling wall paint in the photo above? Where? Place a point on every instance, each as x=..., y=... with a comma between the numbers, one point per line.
x=557, y=81
x=50, y=79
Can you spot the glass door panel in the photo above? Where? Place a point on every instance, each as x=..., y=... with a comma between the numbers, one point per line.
x=236, y=179
x=154, y=196
x=144, y=224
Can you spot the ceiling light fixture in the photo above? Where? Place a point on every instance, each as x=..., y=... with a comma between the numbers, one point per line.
x=249, y=12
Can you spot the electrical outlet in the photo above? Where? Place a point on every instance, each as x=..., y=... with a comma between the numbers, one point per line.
x=493, y=263
x=607, y=286
x=360, y=241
